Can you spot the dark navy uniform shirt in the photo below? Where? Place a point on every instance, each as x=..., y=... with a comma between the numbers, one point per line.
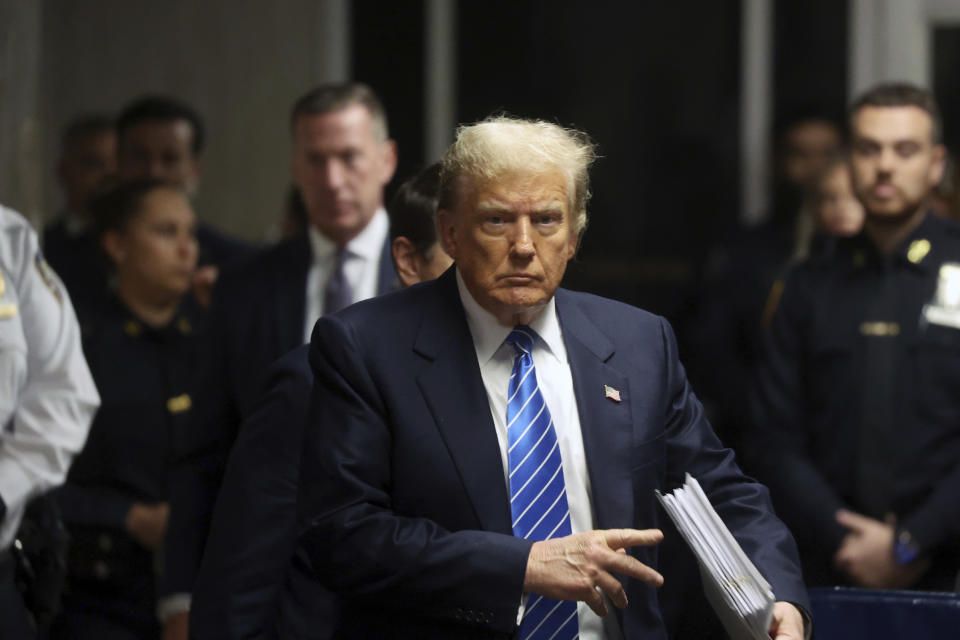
x=146, y=378
x=858, y=399
x=74, y=255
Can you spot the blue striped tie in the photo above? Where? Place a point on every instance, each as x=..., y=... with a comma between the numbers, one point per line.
x=538, y=497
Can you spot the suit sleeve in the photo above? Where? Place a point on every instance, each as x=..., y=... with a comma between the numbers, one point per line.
x=254, y=523
x=780, y=445
x=359, y=546
x=743, y=504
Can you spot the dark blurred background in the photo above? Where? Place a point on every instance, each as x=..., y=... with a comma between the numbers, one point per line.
x=683, y=97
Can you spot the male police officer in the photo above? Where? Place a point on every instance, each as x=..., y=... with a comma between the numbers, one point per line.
x=859, y=394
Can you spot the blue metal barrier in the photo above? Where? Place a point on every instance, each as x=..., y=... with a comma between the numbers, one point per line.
x=841, y=613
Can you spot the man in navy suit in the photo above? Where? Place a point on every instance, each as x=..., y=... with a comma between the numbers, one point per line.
x=428, y=405
x=342, y=158
x=248, y=585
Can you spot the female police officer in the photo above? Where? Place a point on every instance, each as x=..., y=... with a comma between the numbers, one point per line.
x=142, y=350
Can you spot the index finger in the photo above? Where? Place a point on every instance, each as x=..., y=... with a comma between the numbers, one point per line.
x=623, y=538
x=851, y=520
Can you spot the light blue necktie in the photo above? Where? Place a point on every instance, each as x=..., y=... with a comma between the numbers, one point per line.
x=538, y=497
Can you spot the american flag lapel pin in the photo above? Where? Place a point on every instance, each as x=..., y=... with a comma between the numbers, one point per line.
x=610, y=392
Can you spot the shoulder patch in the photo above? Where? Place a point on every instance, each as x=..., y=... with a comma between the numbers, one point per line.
x=46, y=274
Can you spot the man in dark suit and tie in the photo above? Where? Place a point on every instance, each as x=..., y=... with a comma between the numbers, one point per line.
x=248, y=586
x=483, y=450
x=342, y=158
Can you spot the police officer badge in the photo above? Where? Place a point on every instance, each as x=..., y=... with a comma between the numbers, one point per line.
x=945, y=307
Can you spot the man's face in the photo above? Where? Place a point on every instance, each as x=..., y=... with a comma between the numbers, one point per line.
x=809, y=146
x=511, y=238
x=160, y=150
x=894, y=163
x=341, y=167
x=87, y=166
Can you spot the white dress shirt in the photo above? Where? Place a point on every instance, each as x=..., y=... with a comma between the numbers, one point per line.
x=361, y=266
x=495, y=358
x=47, y=396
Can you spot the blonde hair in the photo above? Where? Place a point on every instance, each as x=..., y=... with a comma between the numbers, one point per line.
x=503, y=145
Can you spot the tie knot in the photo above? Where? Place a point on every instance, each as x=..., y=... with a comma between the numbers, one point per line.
x=522, y=338
x=340, y=256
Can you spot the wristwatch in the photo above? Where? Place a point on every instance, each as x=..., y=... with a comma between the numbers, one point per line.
x=905, y=548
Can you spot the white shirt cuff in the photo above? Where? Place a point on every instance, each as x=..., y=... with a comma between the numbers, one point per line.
x=172, y=605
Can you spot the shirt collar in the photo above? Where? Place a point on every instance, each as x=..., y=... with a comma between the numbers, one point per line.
x=916, y=251
x=489, y=335
x=367, y=244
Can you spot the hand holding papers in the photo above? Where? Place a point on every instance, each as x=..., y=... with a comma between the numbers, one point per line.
x=738, y=593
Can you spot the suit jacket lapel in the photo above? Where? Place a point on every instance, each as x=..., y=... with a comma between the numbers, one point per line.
x=605, y=423
x=290, y=285
x=454, y=391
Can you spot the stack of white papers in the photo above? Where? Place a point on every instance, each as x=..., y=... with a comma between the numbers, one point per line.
x=738, y=593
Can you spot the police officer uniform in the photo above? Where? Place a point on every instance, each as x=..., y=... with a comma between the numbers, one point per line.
x=73, y=253
x=145, y=376
x=858, y=399
x=47, y=396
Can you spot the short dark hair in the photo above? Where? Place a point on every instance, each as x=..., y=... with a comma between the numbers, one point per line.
x=902, y=94
x=164, y=109
x=84, y=125
x=331, y=97
x=413, y=210
x=802, y=114
x=113, y=209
